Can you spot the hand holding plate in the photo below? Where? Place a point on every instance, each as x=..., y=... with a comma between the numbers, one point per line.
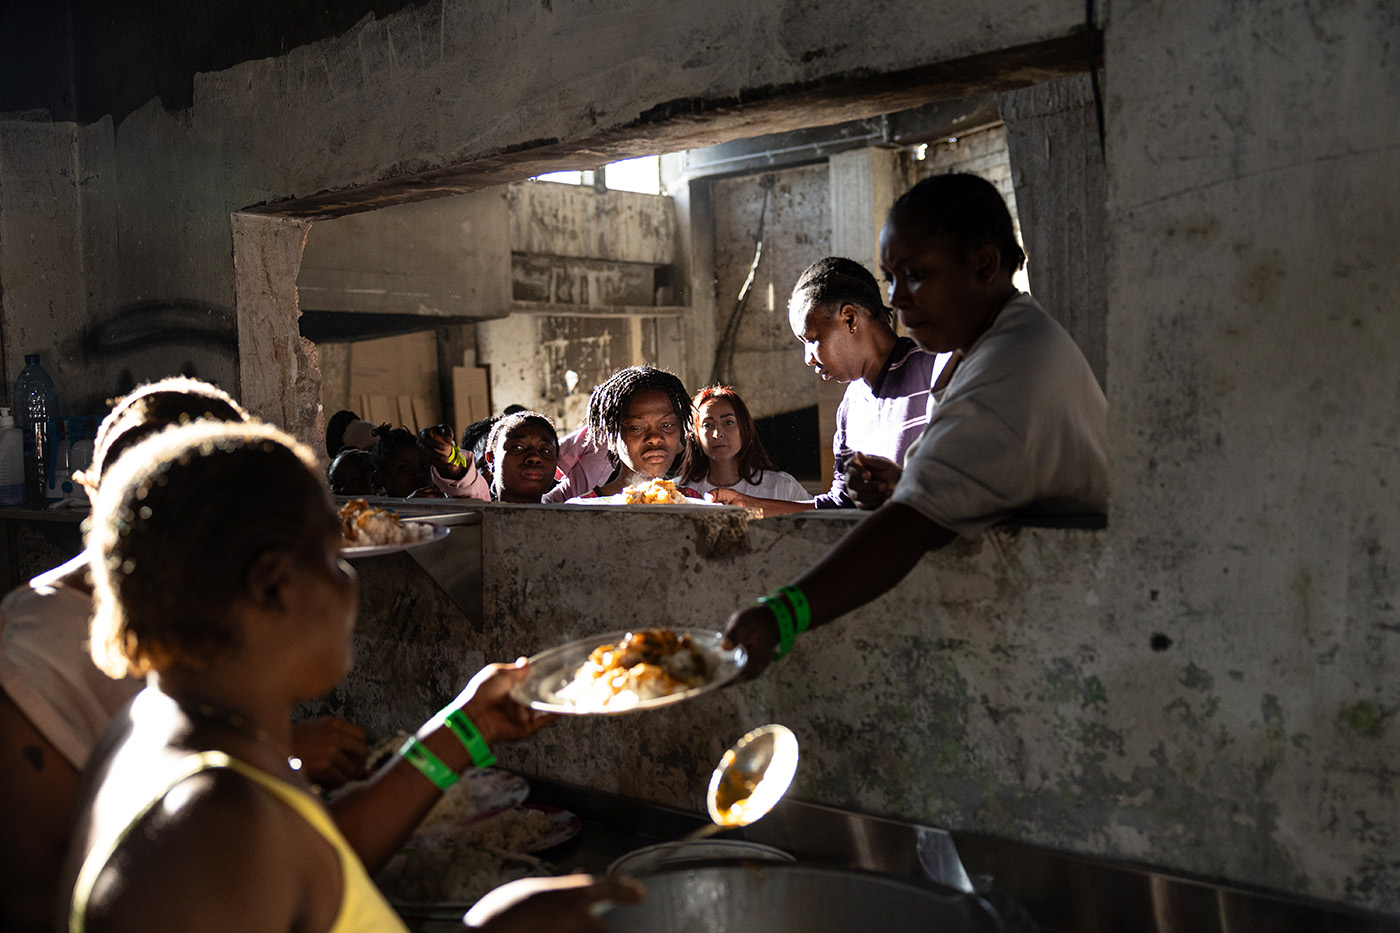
x=487, y=702
x=754, y=628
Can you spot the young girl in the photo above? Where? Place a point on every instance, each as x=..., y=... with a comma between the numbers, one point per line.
x=55, y=703
x=522, y=452
x=238, y=608
x=725, y=451
x=643, y=414
x=1021, y=425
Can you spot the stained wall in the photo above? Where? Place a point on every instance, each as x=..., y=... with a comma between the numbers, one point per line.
x=1203, y=686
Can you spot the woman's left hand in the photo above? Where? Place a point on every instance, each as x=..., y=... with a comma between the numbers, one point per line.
x=488, y=703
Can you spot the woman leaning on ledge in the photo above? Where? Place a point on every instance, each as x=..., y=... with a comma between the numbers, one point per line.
x=1021, y=423
x=845, y=329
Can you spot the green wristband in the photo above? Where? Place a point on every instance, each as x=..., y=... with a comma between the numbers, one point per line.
x=471, y=738
x=801, y=609
x=783, y=615
x=417, y=754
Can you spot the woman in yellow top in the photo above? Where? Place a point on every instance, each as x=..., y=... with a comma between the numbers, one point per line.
x=237, y=608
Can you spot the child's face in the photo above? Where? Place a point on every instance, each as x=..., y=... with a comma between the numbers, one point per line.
x=405, y=473
x=524, y=463
x=651, y=434
x=717, y=429
x=351, y=475
x=939, y=289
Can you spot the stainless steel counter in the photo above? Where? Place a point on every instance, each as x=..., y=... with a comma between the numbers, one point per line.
x=1029, y=887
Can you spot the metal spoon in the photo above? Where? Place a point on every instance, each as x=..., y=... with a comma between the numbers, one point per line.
x=750, y=779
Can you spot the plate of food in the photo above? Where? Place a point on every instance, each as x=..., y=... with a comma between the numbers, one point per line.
x=648, y=492
x=627, y=671
x=369, y=531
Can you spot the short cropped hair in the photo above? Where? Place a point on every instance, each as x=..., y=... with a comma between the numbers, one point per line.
x=965, y=208
x=176, y=528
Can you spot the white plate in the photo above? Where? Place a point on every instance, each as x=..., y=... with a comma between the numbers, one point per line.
x=374, y=550
x=551, y=670
x=666, y=854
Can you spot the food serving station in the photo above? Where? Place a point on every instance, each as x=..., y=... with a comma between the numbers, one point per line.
x=881, y=757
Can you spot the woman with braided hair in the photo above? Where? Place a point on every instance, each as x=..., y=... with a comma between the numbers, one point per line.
x=643, y=415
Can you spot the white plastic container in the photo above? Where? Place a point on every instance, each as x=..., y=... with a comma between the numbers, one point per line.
x=11, y=460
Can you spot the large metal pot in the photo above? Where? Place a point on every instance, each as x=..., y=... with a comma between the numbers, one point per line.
x=788, y=898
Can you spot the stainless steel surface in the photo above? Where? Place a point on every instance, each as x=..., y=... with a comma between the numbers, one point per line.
x=454, y=562
x=1059, y=892
x=790, y=898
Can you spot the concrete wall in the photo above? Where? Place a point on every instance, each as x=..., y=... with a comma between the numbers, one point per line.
x=1204, y=686
x=766, y=365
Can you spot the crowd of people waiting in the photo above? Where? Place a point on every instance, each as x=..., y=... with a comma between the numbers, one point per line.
x=149, y=683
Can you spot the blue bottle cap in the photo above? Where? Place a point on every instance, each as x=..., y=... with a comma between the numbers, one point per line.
x=31, y=359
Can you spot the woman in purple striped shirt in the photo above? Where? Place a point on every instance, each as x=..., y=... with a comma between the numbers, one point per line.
x=837, y=312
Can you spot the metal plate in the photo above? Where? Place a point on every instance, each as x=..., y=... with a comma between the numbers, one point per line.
x=374, y=550
x=648, y=859
x=551, y=670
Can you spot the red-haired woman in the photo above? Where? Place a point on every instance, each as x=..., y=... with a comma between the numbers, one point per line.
x=725, y=452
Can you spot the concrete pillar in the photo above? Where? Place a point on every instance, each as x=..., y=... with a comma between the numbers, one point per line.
x=278, y=377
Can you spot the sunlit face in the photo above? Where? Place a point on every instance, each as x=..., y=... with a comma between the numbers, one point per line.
x=718, y=431
x=524, y=463
x=405, y=472
x=651, y=434
x=933, y=287
x=829, y=343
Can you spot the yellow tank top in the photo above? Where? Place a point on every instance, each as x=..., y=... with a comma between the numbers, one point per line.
x=362, y=908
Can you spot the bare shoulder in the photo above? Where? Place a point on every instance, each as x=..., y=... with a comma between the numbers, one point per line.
x=218, y=852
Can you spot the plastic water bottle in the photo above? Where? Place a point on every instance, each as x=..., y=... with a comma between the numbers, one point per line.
x=11, y=460
x=36, y=401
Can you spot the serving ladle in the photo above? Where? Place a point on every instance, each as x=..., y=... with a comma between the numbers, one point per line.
x=750, y=779
x=752, y=776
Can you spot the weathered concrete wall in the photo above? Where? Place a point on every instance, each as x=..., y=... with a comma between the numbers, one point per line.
x=1252, y=371
x=1253, y=533
x=767, y=367
x=1058, y=169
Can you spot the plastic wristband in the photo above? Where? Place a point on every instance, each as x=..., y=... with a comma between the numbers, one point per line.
x=783, y=615
x=417, y=754
x=801, y=609
x=471, y=738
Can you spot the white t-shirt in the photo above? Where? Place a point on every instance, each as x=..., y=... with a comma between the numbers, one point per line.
x=1021, y=427
x=773, y=484
x=46, y=669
